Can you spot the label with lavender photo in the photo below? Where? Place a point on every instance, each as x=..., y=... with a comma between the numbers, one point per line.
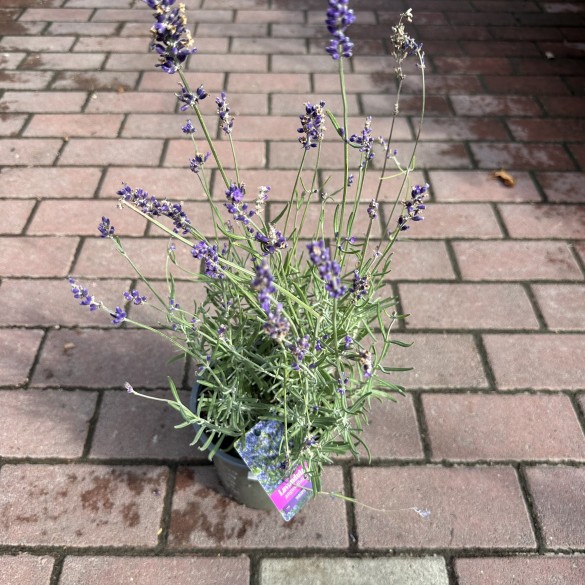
x=261, y=450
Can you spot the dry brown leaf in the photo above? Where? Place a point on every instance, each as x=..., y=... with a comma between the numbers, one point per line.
x=505, y=177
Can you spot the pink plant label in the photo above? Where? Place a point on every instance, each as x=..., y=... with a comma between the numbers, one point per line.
x=291, y=491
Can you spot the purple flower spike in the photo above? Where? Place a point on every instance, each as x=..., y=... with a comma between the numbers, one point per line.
x=188, y=128
x=226, y=120
x=328, y=269
x=135, y=297
x=80, y=292
x=339, y=17
x=105, y=228
x=118, y=316
x=312, y=126
x=413, y=207
x=171, y=38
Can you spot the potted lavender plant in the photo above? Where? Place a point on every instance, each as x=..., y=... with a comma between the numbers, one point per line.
x=289, y=343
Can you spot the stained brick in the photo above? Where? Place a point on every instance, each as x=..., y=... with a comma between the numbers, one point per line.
x=59, y=15
x=515, y=260
x=106, y=151
x=94, y=81
x=25, y=568
x=24, y=80
x=471, y=507
x=548, y=157
x=544, y=221
x=526, y=85
x=132, y=427
x=437, y=360
x=549, y=130
x=61, y=418
x=495, y=105
x=564, y=105
x=558, y=494
x=39, y=43
x=461, y=186
x=81, y=505
x=473, y=427
x=467, y=306
x=12, y=124
x=154, y=570
x=44, y=101
x=520, y=570
x=204, y=517
x=18, y=348
x=472, y=65
x=154, y=81
x=64, y=61
x=271, y=46
x=109, y=358
x=45, y=256
x=562, y=305
x=562, y=187
x=19, y=304
x=74, y=125
x=532, y=361
x=463, y=129
x=49, y=182
x=29, y=151
x=13, y=215
x=71, y=217
x=82, y=28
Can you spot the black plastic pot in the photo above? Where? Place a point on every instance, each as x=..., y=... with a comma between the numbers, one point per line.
x=233, y=473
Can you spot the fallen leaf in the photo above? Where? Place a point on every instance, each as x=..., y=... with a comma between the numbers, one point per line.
x=505, y=177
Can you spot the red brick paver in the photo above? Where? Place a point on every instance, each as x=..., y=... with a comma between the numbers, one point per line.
x=97, y=486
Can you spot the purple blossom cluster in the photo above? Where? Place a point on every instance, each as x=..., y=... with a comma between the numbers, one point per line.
x=80, y=292
x=272, y=241
x=413, y=207
x=210, y=256
x=366, y=363
x=360, y=286
x=373, y=209
x=189, y=99
x=339, y=17
x=150, y=205
x=240, y=211
x=171, y=37
x=135, y=297
x=364, y=141
x=119, y=315
x=299, y=350
x=276, y=325
x=188, y=128
x=105, y=228
x=329, y=270
x=198, y=161
x=312, y=127
x=226, y=120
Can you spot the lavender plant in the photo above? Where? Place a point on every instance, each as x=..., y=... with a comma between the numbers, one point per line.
x=290, y=330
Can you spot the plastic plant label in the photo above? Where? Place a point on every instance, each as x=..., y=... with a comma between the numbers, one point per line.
x=260, y=449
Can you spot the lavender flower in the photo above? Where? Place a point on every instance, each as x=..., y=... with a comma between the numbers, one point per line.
x=135, y=297
x=271, y=242
x=210, y=256
x=261, y=198
x=373, y=209
x=171, y=37
x=150, y=205
x=347, y=341
x=342, y=382
x=365, y=141
x=196, y=163
x=328, y=269
x=226, y=120
x=413, y=207
x=190, y=100
x=80, y=292
x=263, y=283
x=312, y=126
x=240, y=211
x=105, y=228
x=299, y=350
x=188, y=128
x=276, y=326
x=366, y=363
x=361, y=285
x=338, y=18
x=118, y=316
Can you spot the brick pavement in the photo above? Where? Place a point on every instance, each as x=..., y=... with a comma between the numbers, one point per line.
x=97, y=488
